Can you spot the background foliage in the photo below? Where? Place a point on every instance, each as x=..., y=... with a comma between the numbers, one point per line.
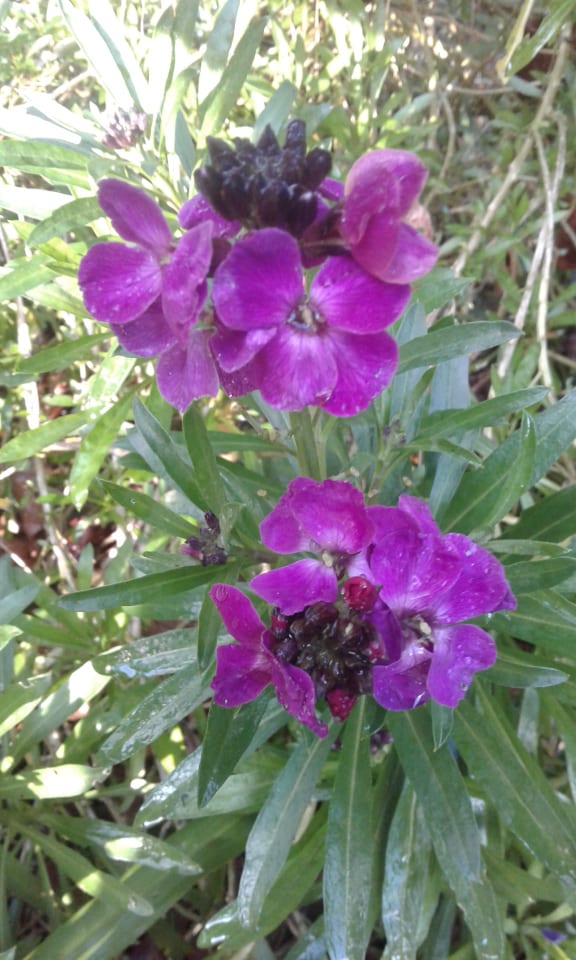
x=136, y=822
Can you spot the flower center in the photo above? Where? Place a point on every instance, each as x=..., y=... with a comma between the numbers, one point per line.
x=305, y=318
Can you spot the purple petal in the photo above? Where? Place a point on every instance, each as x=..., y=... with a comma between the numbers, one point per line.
x=350, y=299
x=280, y=530
x=480, y=588
x=420, y=512
x=147, y=338
x=233, y=349
x=331, y=189
x=458, y=653
x=296, y=369
x=186, y=372
x=376, y=247
x=239, y=616
x=413, y=568
x=260, y=281
x=135, y=216
x=413, y=257
x=383, y=181
x=183, y=288
x=332, y=513
x=402, y=685
x=241, y=675
x=118, y=282
x=366, y=364
x=198, y=210
x=389, y=630
x=295, y=692
x=296, y=586
x=239, y=382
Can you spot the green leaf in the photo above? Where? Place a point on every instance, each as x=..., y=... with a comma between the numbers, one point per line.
x=449, y=342
x=409, y=328
x=171, y=700
x=222, y=98
x=112, y=32
x=277, y=110
x=21, y=276
x=94, y=447
x=49, y=783
x=217, y=49
x=147, y=589
x=552, y=518
x=61, y=355
x=517, y=787
x=555, y=431
x=84, y=874
x=17, y=601
x=529, y=671
x=556, y=15
x=31, y=202
x=209, y=620
x=442, y=723
x=538, y=574
x=443, y=423
x=163, y=456
x=156, y=514
x=19, y=699
x=410, y=890
x=122, y=843
x=446, y=805
x=98, y=54
x=229, y=733
x=546, y=619
x=69, y=216
x=273, y=832
x=207, y=474
x=152, y=656
x=482, y=499
x=349, y=845
x=31, y=442
x=438, y=288
x=57, y=164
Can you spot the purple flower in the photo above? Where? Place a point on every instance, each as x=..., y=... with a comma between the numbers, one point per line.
x=428, y=584
x=327, y=348
x=379, y=191
x=328, y=518
x=151, y=291
x=245, y=668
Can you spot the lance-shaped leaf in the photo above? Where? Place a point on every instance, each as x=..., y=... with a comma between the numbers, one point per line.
x=154, y=586
x=449, y=342
x=228, y=736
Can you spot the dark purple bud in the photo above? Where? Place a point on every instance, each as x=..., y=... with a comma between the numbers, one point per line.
x=268, y=142
x=340, y=703
x=317, y=165
x=221, y=154
x=295, y=139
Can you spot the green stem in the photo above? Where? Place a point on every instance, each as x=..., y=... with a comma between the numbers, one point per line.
x=306, y=446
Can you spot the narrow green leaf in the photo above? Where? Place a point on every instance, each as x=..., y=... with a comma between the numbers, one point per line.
x=97, y=53
x=61, y=355
x=529, y=671
x=517, y=787
x=228, y=735
x=69, y=216
x=152, y=656
x=545, y=618
x=221, y=100
x=21, y=276
x=557, y=13
x=552, y=518
x=349, y=845
x=172, y=699
x=156, y=514
x=438, y=288
x=94, y=447
x=482, y=499
x=410, y=890
x=207, y=474
x=442, y=723
x=217, y=49
x=411, y=327
x=538, y=574
x=17, y=601
x=19, y=699
x=31, y=442
x=277, y=110
x=162, y=454
x=440, y=788
x=154, y=586
x=555, y=431
x=273, y=832
x=443, y=423
x=209, y=620
x=31, y=202
x=448, y=342
x=112, y=32
x=94, y=882
x=49, y=783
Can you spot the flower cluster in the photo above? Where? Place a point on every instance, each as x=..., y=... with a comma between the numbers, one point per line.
x=282, y=279
x=378, y=608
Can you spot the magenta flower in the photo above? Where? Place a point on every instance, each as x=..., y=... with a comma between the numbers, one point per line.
x=151, y=291
x=245, y=668
x=428, y=584
x=327, y=348
x=327, y=518
x=379, y=191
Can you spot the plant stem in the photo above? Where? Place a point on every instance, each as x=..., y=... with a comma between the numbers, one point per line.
x=306, y=446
